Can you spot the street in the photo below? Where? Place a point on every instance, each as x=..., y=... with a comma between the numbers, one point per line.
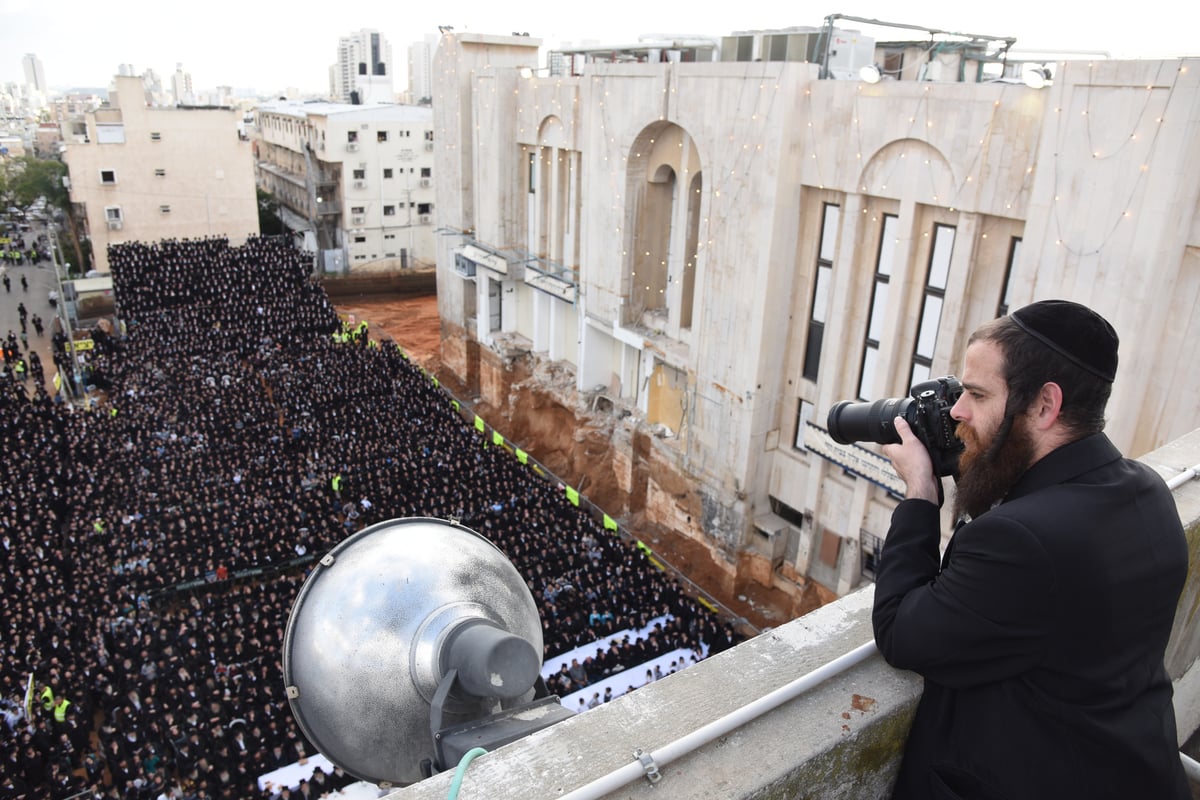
x=40, y=281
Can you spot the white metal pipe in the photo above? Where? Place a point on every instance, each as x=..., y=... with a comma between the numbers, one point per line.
x=731, y=721
x=1183, y=477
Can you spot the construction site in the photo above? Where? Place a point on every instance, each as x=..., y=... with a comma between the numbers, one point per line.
x=545, y=416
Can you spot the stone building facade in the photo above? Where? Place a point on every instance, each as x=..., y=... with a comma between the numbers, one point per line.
x=719, y=252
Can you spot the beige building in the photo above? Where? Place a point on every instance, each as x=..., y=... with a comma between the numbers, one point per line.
x=146, y=174
x=720, y=252
x=355, y=180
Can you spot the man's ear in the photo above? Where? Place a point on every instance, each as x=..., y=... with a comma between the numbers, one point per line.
x=1046, y=406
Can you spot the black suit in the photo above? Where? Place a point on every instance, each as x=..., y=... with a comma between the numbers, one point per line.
x=1041, y=637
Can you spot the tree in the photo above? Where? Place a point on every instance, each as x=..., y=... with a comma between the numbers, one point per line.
x=269, y=221
x=8, y=169
x=33, y=178
x=29, y=179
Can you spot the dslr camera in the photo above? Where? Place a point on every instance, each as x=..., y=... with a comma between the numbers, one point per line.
x=927, y=412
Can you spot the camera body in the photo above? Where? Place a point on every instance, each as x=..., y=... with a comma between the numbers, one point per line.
x=926, y=410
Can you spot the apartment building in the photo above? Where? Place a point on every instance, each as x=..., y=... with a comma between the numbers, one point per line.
x=355, y=180
x=35, y=73
x=364, y=71
x=146, y=174
x=720, y=252
x=420, y=68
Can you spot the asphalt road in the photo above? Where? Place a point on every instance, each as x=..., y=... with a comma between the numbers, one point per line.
x=41, y=281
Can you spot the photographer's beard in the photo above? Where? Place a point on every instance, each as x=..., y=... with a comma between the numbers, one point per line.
x=989, y=469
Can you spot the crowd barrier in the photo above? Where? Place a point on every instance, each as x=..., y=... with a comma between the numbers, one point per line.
x=552, y=666
x=630, y=678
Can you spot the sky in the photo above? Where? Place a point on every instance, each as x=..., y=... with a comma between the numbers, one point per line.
x=270, y=47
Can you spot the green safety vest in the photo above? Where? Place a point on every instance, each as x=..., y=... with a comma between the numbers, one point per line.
x=60, y=710
x=47, y=698
x=336, y=483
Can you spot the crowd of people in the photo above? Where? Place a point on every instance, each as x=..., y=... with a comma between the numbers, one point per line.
x=20, y=251
x=154, y=538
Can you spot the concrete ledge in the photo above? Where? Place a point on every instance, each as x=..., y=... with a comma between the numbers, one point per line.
x=1183, y=652
x=840, y=740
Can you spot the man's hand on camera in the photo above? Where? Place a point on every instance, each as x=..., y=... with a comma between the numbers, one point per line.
x=913, y=465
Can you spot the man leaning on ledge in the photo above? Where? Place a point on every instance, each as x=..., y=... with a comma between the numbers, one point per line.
x=1041, y=632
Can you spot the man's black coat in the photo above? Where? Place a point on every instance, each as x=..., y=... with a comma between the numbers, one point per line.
x=1041, y=636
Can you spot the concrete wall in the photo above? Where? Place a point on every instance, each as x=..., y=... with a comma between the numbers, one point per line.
x=416, y=281
x=841, y=740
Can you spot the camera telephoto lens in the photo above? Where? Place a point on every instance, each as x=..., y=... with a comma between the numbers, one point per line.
x=867, y=422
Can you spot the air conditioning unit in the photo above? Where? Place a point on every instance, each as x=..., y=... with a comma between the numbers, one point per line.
x=358, y=219
x=775, y=533
x=360, y=184
x=429, y=146
x=352, y=147
x=426, y=182
x=114, y=224
x=423, y=218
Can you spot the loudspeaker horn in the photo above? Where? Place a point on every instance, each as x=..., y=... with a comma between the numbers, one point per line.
x=404, y=618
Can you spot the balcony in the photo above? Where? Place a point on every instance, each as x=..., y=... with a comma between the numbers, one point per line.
x=840, y=739
x=294, y=178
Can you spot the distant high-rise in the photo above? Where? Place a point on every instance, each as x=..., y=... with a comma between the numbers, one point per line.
x=35, y=74
x=181, y=87
x=154, y=88
x=420, y=68
x=363, y=72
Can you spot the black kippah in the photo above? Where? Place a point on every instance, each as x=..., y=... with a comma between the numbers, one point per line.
x=1075, y=332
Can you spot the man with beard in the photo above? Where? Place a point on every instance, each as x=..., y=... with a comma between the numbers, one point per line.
x=1041, y=634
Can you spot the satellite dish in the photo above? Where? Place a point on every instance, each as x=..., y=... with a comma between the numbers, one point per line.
x=411, y=642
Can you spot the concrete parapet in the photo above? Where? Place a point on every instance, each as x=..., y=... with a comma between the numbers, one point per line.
x=840, y=740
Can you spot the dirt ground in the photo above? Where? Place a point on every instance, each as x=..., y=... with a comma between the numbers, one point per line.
x=412, y=321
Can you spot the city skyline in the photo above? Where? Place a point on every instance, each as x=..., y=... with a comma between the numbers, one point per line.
x=248, y=46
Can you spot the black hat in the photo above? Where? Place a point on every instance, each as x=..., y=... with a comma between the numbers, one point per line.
x=1075, y=332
